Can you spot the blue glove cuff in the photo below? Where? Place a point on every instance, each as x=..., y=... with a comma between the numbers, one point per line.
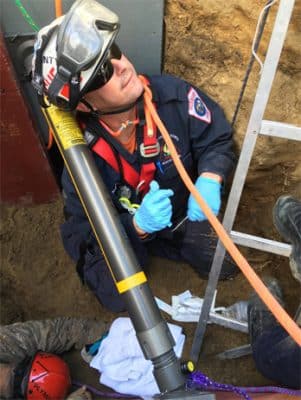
x=212, y=181
x=210, y=190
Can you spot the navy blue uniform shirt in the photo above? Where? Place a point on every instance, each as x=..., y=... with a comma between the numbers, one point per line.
x=201, y=135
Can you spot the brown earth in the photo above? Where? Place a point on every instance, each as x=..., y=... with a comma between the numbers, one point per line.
x=207, y=43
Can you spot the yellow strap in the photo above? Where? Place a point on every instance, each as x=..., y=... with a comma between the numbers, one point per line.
x=131, y=282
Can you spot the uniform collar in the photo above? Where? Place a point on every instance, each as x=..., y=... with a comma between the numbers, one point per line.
x=166, y=89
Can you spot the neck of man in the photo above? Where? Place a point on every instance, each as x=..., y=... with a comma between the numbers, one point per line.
x=123, y=122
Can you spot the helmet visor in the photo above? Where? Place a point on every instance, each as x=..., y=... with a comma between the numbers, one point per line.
x=104, y=73
x=85, y=36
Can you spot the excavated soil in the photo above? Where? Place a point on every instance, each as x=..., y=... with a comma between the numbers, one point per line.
x=207, y=43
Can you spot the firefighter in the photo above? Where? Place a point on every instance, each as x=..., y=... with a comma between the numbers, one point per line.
x=78, y=66
x=275, y=353
x=29, y=362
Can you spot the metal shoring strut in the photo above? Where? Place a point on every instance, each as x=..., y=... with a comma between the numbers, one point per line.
x=151, y=329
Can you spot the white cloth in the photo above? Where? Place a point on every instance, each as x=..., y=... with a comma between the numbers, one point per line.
x=121, y=362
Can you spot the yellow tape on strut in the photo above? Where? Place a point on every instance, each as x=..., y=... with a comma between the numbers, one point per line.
x=69, y=132
x=131, y=282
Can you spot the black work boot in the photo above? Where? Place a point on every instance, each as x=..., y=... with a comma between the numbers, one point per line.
x=287, y=220
x=260, y=318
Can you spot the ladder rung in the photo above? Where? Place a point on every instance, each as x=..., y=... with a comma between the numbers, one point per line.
x=279, y=129
x=259, y=243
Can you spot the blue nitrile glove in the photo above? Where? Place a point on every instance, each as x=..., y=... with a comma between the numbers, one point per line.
x=210, y=190
x=155, y=211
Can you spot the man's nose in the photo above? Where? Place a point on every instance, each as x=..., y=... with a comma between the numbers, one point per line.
x=118, y=65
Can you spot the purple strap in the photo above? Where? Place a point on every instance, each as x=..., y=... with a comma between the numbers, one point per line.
x=197, y=380
x=272, y=389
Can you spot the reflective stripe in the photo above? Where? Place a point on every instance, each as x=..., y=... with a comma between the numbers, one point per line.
x=131, y=282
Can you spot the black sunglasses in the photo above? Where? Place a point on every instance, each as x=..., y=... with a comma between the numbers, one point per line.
x=105, y=72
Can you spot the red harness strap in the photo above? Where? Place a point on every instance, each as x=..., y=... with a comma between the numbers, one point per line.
x=104, y=150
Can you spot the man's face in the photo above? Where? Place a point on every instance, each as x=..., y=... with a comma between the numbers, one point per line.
x=123, y=88
x=6, y=381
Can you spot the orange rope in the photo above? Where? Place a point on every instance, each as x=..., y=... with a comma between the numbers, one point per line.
x=58, y=8
x=280, y=314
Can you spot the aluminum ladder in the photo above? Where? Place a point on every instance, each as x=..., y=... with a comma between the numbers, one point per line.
x=256, y=126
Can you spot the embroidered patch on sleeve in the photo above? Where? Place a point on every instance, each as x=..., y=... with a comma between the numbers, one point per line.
x=197, y=108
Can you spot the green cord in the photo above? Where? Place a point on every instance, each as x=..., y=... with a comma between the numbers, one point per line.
x=26, y=15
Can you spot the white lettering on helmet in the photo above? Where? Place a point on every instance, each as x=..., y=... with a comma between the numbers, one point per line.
x=48, y=59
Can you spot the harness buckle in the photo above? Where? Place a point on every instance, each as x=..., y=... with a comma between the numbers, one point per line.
x=150, y=150
x=90, y=138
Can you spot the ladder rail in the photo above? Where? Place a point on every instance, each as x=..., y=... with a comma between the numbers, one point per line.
x=260, y=103
x=254, y=126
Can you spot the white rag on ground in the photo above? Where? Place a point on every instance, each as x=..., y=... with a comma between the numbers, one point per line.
x=121, y=362
x=187, y=308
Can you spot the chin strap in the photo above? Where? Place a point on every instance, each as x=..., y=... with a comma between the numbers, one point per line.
x=21, y=374
x=98, y=113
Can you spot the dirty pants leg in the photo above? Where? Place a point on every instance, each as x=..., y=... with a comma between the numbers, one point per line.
x=22, y=340
x=276, y=355
x=194, y=243
x=91, y=265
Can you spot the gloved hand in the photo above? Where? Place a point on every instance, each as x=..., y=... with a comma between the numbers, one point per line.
x=210, y=190
x=155, y=211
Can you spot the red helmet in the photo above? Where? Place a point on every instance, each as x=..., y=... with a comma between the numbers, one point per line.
x=49, y=378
